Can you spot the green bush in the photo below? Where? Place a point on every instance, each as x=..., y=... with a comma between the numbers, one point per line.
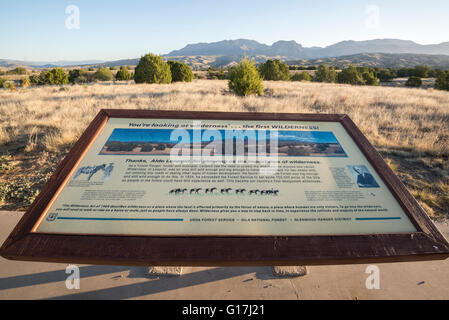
x=103, y=74
x=199, y=76
x=10, y=85
x=25, y=82
x=386, y=75
x=442, y=81
x=216, y=74
x=2, y=82
x=54, y=76
x=78, y=76
x=274, y=70
x=123, y=74
x=244, y=79
x=350, y=75
x=370, y=79
x=301, y=76
x=180, y=71
x=34, y=79
x=146, y=148
x=418, y=71
x=152, y=69
x=325, y=74
x=414, y=82
x=421, y=71
x=18, y=70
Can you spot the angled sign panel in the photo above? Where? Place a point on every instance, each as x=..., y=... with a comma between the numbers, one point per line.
x=208, y=188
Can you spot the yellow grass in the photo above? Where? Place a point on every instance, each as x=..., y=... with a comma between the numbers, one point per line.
x=400, y=118
x=404, y=124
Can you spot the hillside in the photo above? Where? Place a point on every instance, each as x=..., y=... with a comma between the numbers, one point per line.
x=294, y=50
x=380, y=52
x=382, y=60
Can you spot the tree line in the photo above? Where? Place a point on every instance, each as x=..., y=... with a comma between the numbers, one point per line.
x=245, y=78
x=151, y=69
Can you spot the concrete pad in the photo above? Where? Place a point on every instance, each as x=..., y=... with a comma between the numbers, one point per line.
x=290, y=272
x=165, y=271
x=405, y=280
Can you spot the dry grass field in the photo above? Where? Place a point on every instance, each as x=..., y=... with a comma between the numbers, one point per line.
x=409, y=127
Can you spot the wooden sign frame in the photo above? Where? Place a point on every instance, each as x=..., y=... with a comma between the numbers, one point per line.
x=24, y=244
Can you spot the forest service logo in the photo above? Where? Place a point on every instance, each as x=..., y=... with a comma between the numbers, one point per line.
x=52, y=216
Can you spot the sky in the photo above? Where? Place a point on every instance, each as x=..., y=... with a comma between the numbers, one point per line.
x=56, y=30
x=164, y=135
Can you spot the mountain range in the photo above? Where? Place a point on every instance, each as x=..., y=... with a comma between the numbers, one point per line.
x=9, y=63
x=293, y=50
x=379, y=52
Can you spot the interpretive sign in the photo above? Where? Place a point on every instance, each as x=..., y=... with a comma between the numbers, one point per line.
x=211, y=188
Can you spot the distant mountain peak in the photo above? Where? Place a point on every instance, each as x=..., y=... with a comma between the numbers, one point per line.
x=228, y=52
x=290, y=49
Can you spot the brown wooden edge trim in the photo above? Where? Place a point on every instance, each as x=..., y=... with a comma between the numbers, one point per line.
x=219, y=115
x=408, y=203
x=18, y=244
x=320, y=250
x=37, y=208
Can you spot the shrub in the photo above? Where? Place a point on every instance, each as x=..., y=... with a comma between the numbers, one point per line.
x=152, y=69
x=10, y=85
x=146, y=148
x=25, y=82
x=59, y=76
x=442, y=81
x=421, y=71
x=103, y=74
x=216, y=74
x=244, y=79
x=370, y=79
x=18, y=70
x=54, y=76
x=180, y=71
x=414, y=82
x=112, y=68
x=404, y=72
x=34, y=79
x=385, y=75
x=123, y=74
x=301, y=76
x=200, y=76
x=2, y=82
x=44, y=78
x=78, y=76
x=91, y=69
x=274, y=70
x=325, y=74
x=350, y=75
